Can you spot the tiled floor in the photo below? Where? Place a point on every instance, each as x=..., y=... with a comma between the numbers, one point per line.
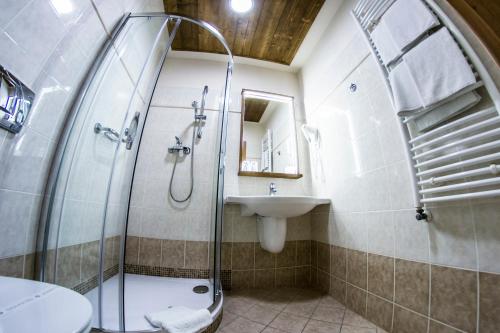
x=289, y=311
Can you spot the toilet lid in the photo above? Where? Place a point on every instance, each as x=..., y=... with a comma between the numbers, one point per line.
x=30, y=306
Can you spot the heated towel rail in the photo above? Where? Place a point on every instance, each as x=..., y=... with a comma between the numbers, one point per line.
x=458, y=159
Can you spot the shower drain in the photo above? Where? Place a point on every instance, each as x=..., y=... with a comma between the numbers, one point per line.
x=200, y=289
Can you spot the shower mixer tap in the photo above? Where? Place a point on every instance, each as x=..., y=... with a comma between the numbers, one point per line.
x=179, y=147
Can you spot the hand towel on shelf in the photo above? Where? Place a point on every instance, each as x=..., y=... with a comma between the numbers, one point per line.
x=180, y=319
x=431, y=72
x=403, y=23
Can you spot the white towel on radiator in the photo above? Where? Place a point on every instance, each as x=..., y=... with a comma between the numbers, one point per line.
x=403, y=23
x=430, y=72
x=386, y=47
x=180, y=319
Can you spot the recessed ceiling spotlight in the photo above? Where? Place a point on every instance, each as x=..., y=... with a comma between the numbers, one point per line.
x=241, y=6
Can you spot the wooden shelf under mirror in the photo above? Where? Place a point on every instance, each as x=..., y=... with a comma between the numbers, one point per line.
x=268, y=137
x=270, y=174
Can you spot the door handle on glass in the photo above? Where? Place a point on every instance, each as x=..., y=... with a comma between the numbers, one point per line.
x=108, y=132
x=131, y=131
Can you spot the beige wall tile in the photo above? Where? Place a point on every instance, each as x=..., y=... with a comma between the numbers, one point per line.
x=323, y=257
x=68, y=266
x=287, y=257
x=314, y=253
x=242, y=279
x=357, y=268
x=90, y=260
x=454, y=297
x=303, y=252
x=338, y=289
x=381, y=276
x=379, y=311
x=408, y=322
x=323, y=281
x=196, y=255
x=226, y=256
x=356, y=299
x=412, y=285
x=132, y=250
x=29, y=267
x=12, y=266
x=150, y=251
x=285, y=277
x=489, y=303
x=265, y=278
x=435, y=327
x=243, y=256
x=339, y=262
x=172, y=253
x=303, y=277
x=263, y=258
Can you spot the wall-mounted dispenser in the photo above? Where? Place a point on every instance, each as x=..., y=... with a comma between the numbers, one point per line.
x=16, y=101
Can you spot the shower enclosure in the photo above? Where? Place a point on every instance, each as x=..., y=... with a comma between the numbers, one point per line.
x=82, y=238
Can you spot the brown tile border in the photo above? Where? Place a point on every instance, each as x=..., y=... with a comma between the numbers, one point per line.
x=398, y=291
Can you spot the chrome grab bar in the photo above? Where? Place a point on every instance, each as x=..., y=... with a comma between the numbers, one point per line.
x=108, y=132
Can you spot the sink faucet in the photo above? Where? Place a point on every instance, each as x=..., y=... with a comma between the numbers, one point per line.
x=272, y=189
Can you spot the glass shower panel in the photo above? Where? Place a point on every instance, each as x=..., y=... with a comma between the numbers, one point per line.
x=88, y=210
x=141, y=48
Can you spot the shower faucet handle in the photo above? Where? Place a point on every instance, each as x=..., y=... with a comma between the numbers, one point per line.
x=178, y=141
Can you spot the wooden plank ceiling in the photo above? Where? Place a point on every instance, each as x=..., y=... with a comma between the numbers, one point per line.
x=272, y=30
x=254, y=109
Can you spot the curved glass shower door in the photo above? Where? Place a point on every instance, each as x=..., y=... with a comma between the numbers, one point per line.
x=86, y=207
x=89, y=188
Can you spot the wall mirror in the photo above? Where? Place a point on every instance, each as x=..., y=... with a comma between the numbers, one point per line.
x=268, y=140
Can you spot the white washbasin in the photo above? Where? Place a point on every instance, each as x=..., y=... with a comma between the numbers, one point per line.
x=277, y=205
x=272, y=212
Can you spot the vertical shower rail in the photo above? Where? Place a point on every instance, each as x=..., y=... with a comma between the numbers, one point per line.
x=427, y=153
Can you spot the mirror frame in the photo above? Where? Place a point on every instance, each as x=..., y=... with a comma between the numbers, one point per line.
x=260, y=173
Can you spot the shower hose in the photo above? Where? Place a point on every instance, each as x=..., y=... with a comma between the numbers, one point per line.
x=191, y=176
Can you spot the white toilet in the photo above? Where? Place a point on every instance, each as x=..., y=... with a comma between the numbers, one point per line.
x=30, y=306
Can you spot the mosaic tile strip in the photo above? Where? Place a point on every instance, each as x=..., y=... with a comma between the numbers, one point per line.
x=91, y=283
x=184, y=273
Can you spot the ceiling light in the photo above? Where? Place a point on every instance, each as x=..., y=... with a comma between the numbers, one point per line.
x=62, y=6
x=241, y=6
